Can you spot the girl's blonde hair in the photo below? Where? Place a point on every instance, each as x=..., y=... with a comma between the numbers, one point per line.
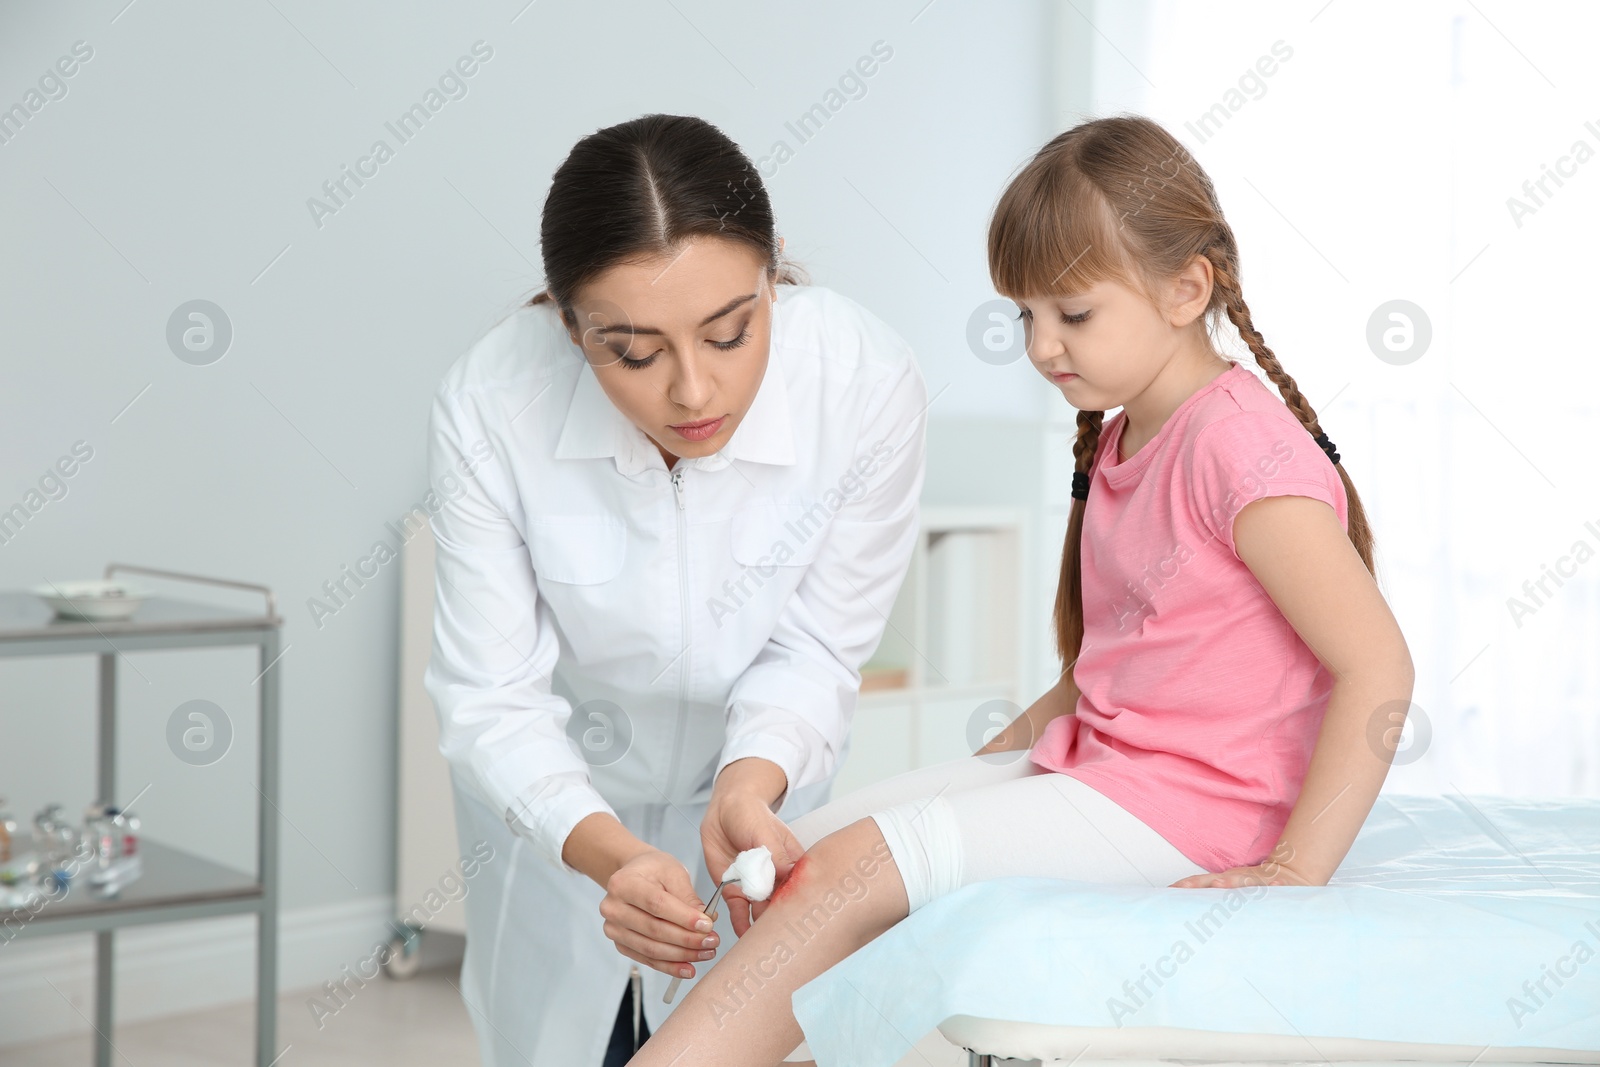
x=1120, y=198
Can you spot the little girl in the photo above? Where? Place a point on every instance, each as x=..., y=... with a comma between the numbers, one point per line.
x=1233, y=682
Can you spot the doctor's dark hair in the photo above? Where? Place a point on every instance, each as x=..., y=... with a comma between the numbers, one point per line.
x=642, y=187
x=1120, y=198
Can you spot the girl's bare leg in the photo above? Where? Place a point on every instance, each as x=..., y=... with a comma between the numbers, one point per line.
x=844, y=892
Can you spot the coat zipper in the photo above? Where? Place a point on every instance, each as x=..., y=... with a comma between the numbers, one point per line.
x=683, y=598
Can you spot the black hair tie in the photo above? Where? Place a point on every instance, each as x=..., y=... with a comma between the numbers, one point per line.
x=1327, y=446
x=1080, y=485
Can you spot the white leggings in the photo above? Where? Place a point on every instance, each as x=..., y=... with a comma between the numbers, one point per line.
x=997, y=816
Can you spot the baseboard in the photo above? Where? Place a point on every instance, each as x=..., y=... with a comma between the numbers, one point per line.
x=47, y=983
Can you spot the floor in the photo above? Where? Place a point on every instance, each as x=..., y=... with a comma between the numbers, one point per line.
x=417, y=1022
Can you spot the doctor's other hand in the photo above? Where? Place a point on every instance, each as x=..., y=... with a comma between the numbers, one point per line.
x=739, y=817
x=652, y=914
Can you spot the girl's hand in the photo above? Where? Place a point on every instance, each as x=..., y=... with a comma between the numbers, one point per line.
x=1268, y=873
x=652, y=914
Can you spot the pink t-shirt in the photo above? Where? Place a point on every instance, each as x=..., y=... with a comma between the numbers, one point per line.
x=1201, y=704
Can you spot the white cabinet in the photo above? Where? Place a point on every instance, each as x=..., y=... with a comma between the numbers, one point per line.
x=951, y=668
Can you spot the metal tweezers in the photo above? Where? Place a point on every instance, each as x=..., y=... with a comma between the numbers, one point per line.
x=711, y=913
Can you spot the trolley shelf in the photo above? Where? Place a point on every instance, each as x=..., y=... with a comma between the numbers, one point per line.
x=174, y=885
x=29, y=628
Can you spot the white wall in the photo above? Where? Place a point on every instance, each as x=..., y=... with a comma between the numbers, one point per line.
x=178, y=166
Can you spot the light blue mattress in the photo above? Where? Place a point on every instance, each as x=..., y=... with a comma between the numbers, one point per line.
x=1454, y=920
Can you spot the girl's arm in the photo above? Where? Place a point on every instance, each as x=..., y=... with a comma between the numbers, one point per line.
x=1059, y=699
x=1295, y=547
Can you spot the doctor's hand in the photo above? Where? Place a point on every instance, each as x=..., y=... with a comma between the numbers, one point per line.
x=653, y=915
x=740, y=817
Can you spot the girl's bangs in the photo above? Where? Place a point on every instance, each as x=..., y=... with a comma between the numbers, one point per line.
x=1053, y=235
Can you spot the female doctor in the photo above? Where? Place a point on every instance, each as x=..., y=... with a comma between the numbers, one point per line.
x=696, y=501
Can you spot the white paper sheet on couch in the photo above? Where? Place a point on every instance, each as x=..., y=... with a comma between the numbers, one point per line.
x=1458, y=919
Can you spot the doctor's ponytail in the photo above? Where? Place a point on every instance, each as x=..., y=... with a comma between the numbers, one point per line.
x=642, y=187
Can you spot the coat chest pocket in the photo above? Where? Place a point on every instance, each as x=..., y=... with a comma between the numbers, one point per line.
x=768, y=533
x=578, y=549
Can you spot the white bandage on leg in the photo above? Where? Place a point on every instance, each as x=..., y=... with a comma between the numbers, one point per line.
x=925, y=843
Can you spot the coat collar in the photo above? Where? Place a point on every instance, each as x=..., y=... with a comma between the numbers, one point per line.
x=594, y=427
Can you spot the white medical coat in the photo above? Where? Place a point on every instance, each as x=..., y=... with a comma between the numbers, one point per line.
x=609, y=635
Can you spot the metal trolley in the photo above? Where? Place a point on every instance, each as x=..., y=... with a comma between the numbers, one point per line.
x=175, y=885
